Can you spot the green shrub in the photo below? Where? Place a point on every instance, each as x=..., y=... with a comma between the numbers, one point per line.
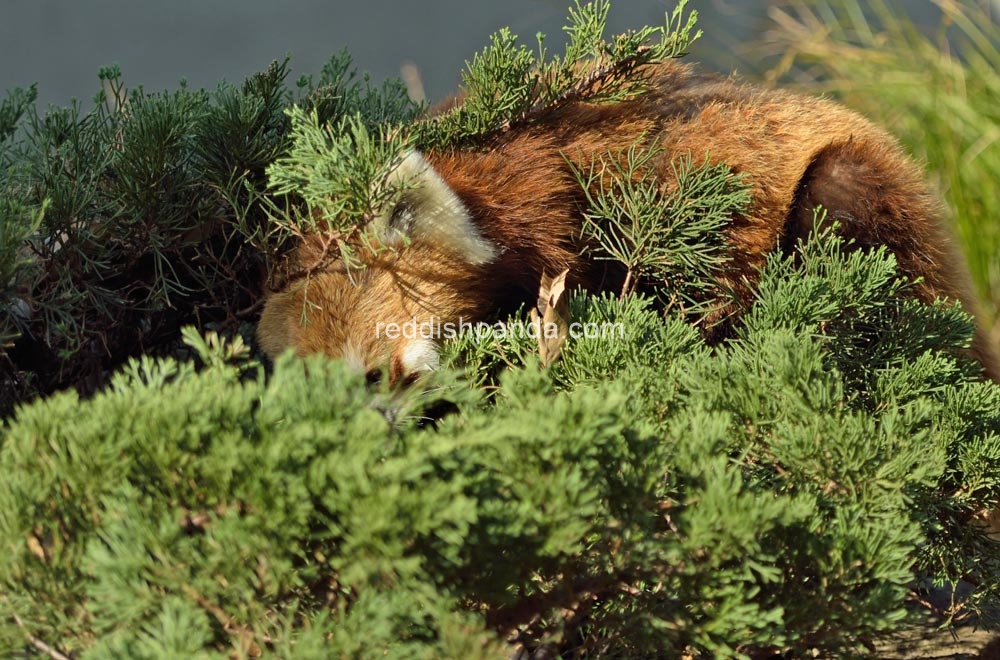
x=121, y=224
x=641, y=498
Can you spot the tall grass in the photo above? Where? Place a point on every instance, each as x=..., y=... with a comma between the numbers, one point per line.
x=935, y=87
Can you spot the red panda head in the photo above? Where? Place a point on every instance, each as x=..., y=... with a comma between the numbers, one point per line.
x=422, y=273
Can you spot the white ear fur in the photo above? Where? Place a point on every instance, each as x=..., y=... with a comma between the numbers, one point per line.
x=434, y=213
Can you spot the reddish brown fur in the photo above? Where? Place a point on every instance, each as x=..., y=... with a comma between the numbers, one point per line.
x=797, y=152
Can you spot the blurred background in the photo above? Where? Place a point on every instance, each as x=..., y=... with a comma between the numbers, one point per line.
x=60, y=44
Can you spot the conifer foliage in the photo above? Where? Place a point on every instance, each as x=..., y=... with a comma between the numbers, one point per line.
x=120, y=224
x=645, y=495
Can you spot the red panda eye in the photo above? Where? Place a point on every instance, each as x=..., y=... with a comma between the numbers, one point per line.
x=373, y=376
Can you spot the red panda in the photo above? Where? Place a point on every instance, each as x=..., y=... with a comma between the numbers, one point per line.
x=480, y=226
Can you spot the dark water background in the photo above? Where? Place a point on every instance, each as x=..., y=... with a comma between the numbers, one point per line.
x=61, y=44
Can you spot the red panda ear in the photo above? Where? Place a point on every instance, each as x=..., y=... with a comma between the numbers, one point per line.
x=428, y=211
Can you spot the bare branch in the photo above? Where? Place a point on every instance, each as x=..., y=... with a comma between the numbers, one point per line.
x=38, y=644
